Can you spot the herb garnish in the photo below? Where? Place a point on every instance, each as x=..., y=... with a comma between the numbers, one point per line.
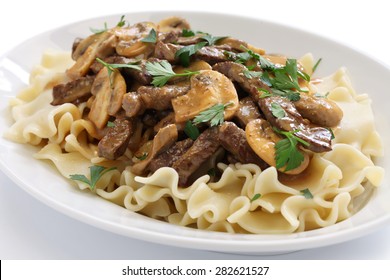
x=151, y=38
x=162, y=71
x=110, y=124
x=306, y=193
x=211, y=40
x=214, y=115
x=184, y=53
x=191, y=130
x=121, y=23
x=286, y=78
x=187, y=33
x=287, y=153
x=143, y=156
x=255, y=197
x=277, y=110
x=112, y=66
x=96, y=172
x=316, y=65
x=283, y=81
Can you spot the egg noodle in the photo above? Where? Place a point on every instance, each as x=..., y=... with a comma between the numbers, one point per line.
x=243, y=199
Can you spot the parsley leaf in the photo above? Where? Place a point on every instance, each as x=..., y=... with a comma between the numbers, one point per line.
x=112, y=66
x=287, y=153
x=187, y=33
x=214, y=115
x=121, y=23
x=289, y=94
x=151, y=38
x=162, y=71
x=143, y=156
x=252, y=74
x=191, y=130
x=306, y=193
x=316, y=65
x=255, y=197
x=96, y=172
x=211, y=40
x=99, y=31
x=277, y=110
x=110, y=124
x=184, y=53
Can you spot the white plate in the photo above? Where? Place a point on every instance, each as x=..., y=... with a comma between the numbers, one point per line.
x=45, y=183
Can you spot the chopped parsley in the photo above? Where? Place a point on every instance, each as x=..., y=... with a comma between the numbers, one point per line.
x=112, y=66
x=151, y=38
x=277, y=110
x=287, y=153
x=186, y=52
x=316, y=65
x=214, y=115
x=121, y=23
x=306, y=193
x=96, y=172
x=191, y=130
x=162, y=71
x=255, y=197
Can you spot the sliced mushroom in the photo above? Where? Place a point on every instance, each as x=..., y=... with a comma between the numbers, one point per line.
x=318, y=110
x=130, y=39
x=262, y=140
x=161, y=142
x=108, y=91
x=168, y=119
x=207, y=89
x=97, y=45
x=173, y=23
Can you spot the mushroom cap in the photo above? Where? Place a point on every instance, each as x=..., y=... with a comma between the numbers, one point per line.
x=208, y=88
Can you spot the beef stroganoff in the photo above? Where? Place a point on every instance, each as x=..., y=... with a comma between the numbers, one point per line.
x=199, y=130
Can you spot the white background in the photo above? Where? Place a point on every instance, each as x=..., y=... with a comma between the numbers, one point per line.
x=32, y=230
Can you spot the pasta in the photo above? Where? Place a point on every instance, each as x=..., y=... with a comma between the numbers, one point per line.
x=242, y=198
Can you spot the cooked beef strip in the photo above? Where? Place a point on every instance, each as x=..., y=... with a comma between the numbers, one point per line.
x=213, y=54
x=162, y=141
x=203, y=148
x=192, y=40
x=170, y=156
x=73, y=91
x=235, y=72
x=167, y=51
x=233, y=139
x=247, y=111
x=115, y=142
x=319, y=138
x=149, y=97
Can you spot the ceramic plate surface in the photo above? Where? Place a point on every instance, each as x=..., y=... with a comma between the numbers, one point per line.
x=44, y=182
